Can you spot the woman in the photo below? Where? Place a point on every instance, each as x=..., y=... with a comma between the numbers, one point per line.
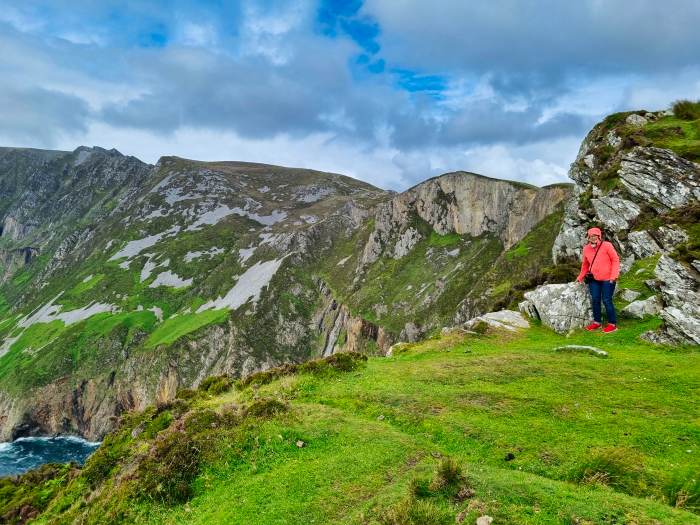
x=601, y=262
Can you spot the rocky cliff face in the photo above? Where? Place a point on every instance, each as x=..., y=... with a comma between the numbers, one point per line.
x=422, y=260
x=137, y=280
x=124, y=282
x=646, y=198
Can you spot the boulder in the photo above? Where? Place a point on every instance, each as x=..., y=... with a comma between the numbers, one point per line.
x=680, y=290
x=642, y=308
x=636, y=120
x=627, y=295
x=561, y=307
x=642, y=244
x=615, y=213
x=504, y=319
x=682, y=324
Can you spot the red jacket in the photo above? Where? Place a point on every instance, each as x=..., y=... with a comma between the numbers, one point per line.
x=606, y=266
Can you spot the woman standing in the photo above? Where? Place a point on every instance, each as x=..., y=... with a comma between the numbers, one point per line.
x=600, y=269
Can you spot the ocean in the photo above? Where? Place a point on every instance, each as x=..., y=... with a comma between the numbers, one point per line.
x=27, y=453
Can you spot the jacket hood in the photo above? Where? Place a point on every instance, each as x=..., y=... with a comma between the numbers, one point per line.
x=595, y=231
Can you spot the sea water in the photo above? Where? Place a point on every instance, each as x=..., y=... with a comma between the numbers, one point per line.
x=30, y=452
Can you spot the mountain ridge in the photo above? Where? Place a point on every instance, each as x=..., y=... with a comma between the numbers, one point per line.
x=173, y=256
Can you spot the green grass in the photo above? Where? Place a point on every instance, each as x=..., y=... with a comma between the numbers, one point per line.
x=679, y=135
x=641, y=271
x=83, y=286
x=175, y=327
x=442, y=241
x=540, y=437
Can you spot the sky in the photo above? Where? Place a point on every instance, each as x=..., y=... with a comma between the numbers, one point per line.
x=388, y=91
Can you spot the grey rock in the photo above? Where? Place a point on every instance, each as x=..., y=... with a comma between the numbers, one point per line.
x=411, y=333
x=613, y=139
x=561, y=307
x=627, y=295
x=574, y=349
x=484, y=520
x=615, y=213
x=696, y=265
x=670, y=236
x=658, y=337
x=660, y=177
x=642, y=244
x=682, y=324
x=680, y=290
x=503, y=319
x=641, y=308
x=653, y=284
x=626, y=263
x=636, y=120
x=407, y=240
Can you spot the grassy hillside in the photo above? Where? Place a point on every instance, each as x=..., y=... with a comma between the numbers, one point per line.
x=450, y=428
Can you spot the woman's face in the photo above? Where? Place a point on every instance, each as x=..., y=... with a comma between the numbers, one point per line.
x=593, y=239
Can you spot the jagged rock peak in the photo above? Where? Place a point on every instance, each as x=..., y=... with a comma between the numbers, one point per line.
x=464, y=203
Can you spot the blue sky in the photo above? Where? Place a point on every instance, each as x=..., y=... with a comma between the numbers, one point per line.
x=389, y=91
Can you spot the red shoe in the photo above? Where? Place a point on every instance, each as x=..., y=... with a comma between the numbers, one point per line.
x=609, y=328
x=593, y=326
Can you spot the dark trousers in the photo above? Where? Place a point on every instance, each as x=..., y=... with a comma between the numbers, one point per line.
x=604, y=290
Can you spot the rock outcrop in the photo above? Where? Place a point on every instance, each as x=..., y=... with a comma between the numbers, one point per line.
x=646, y=199
x=501, y=320
x=561, y=307
x=462, y=203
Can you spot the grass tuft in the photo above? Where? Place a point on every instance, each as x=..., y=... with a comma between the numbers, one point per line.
x=617, y=467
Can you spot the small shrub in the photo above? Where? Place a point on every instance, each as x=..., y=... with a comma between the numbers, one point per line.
x=216, y=385
x=160, y=422
x=266, y=408
x=686, y=109
x=186, y=394
x=346, y=361
x=266, y=376
x=688, y=251
x=415, y=512
x=201, y=421
x=172, y=464
x=100, y=464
